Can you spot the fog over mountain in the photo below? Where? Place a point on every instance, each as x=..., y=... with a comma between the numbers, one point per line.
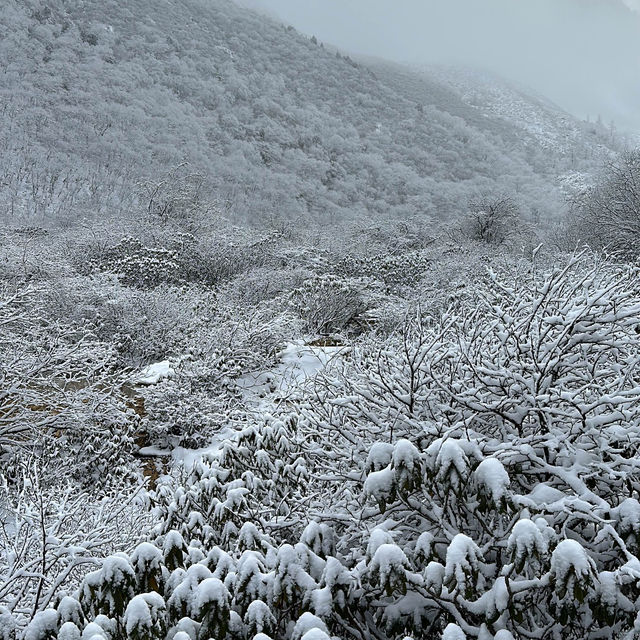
x=582, y=54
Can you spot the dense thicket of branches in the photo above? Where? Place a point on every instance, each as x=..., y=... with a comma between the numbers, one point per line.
x=607, y=215
x=470, y=473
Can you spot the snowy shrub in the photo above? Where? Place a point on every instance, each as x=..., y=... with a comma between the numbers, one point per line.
x=261, y=285
x=143, y=326
x=180, y=197
x=396, y=271
x=607, y=215
x=491, y=219
x=53, y=401
x=329, y=304
x=191, y=406
x=66, y=441
x=174, y=257
x=78, y=530
x=261, y=467
x=136, y=264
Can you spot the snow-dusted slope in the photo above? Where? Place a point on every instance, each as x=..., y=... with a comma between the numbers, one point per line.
x=543, y=122
x=521, y=118
x=97, y=94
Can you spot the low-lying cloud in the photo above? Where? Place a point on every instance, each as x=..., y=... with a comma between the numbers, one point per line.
x=582, y=54
x=634, y=5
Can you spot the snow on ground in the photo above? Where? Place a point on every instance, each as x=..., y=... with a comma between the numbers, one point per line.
x=298, y=363
x=188, y=457
x=154, y=373
x=153, y=452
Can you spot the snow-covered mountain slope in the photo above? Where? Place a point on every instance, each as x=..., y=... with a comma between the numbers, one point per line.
x=520, y=118
x=97, y=94
x=543, y=122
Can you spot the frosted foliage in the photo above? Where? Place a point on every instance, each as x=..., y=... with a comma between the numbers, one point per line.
x=406, y=455
x=249, y=535
x=498, y=599
x=69, y=610
x=138, y=615
x=463, y=558
x=525, y=540
x=628, y=514
x=434, y=576
x=377, y=538
x=211, y=591
x=259, y=616
x=69, y=631
x=609, y=590
x=380, y=484
x=188, y=627
x=323, y=601
x=315, y=634
x=336, y=580
x=449, y=461
x=116, y=570
x=379, y=456
x=387, y=560
x=142, y=614
x=308, y=623
x=493, y=477
x=145, y=557
x=93, y=631
x=570, y=557
x=453, y=632
x=424, y=544
x=43, y=625
x=319, y=538
x=8, y=625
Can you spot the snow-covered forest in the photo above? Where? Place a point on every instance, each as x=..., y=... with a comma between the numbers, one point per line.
x=301, y=346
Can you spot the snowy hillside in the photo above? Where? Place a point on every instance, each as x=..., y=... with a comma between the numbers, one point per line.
x=551, y=139
x=101, y=95
x=545, y=123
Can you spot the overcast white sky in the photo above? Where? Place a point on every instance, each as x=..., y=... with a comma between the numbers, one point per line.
x=582, y=54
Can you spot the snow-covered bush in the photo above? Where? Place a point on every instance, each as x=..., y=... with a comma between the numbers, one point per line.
x=491, y=219
x=190, y=407
x=180, y=197
x=50, y=537
x=396, y=271
x=152, y=257
x=328, y=303
x=606, y=215
x=53, y=401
